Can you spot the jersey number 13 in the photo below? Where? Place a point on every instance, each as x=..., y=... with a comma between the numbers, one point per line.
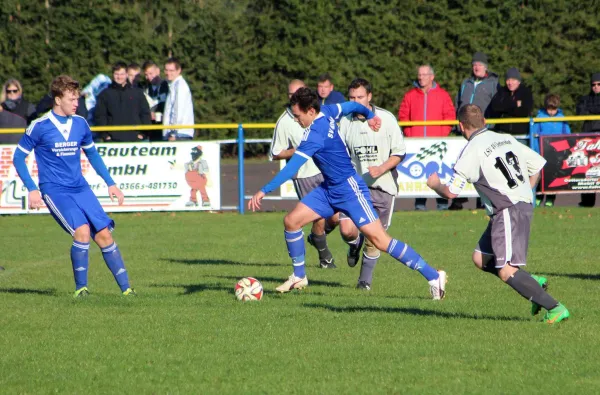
x=509, y=166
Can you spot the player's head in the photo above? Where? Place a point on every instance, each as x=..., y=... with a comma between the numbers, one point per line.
x=119, y=71
x=133, y=70
x=551, y=104
x=65, y=93
x=425, y=76
x=359, y=91
x=305, y=106
x=172, y=69
x=294, y=85
x=479, y=64
x=151, y=70
x=470, y=119
x=324, y=85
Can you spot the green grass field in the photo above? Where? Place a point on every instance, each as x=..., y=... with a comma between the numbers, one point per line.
x=186, y=333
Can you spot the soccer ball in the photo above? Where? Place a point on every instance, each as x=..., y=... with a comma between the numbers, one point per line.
x=248, y=288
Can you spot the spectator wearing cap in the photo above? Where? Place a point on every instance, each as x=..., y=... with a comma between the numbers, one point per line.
x=479, y=89
x=514, y=100
x=590, y=105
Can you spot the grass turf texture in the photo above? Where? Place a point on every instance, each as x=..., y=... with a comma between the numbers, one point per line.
x=186, y=332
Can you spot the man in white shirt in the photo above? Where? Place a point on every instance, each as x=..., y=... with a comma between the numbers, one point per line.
x=179, y=107
x=375, y=156
x=504, y=172
x=286, y=138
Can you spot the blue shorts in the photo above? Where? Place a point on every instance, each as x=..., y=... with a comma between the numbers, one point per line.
x=74, y=209
x=351, y=198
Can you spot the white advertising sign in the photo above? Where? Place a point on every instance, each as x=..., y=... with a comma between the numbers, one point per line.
x=160, y=176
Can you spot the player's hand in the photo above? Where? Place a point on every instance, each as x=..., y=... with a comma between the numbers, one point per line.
x=114, y=192
x=374, y=123
x=433, y=181
x=375, y=171
x=35, y=200
x=254, y=203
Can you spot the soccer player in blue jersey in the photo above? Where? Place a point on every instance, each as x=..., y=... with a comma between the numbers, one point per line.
x=58, y=138
x=343, y=190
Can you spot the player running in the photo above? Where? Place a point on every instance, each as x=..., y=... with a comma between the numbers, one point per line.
x=58, y=138
x=504, y=172
x=343, y=190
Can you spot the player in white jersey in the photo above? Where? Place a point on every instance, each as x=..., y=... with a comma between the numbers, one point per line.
x=58, y=138
x=504, y=172
x=375, y=156
x=286, y=138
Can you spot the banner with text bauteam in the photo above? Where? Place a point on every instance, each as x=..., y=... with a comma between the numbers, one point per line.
x=153, y=176
x=423, y=157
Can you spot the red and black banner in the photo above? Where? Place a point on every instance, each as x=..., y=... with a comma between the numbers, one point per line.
x=573, y=163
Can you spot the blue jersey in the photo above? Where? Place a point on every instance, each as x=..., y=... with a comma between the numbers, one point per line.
x=322, y=143
x=57, y=142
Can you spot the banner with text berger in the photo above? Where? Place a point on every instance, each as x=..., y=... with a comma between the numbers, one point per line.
x=423, y=157
x=158, y=176
x=573, y=163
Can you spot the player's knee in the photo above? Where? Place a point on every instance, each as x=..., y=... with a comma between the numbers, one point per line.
x=104, y=238
x=82, y=234
x=290, y=223
x=348, y=231
x=478, y=259
x=371, y=251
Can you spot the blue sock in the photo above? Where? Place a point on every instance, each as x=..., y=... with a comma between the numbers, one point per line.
x=409, y=257
x=295, y=245
x=114, y=261
x=80, y=262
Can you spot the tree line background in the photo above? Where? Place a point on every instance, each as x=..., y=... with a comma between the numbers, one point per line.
x=238, y=56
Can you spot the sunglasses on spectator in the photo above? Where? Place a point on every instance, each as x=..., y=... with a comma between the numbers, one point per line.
x=12, y=90
x=596, y=84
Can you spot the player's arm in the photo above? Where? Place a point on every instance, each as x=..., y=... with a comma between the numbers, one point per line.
x=534, y=162
x=27, y=143
x=450, y=190
x=285, y=154
x=281, y=148
x=351, y=107
x=390, y=163
x=398, y=150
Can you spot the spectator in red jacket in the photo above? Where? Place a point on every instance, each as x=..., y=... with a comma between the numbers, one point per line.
x=427, y=101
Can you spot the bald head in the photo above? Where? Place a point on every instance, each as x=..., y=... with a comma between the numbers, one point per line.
x=294, y=86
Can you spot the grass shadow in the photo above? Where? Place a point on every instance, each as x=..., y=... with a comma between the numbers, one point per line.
x=218, y=262
x=410, y=311
x=281, y=279
x=576, y=276
x=47, y=292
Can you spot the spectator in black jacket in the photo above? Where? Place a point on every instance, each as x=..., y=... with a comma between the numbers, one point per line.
x=590, y=105
x=514, y=100
x=121, y=104
x=12, y=99
x=10, y=120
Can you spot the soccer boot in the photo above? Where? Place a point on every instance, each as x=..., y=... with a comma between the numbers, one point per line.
x=556, y=315
x=327, y=263
x=292, y=282
x=437, y=288
x=129, y=292
x=543, y=281
x=81, y=293
x=354, y=251
x=363, y=285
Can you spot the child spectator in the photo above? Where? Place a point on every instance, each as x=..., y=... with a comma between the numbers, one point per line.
x=551, y=110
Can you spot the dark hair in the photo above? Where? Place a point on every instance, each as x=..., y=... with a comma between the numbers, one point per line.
x=552, y=101
x=471, y=117
x=306, y=99
x=174, y=61
x=358, y=82
x=147, y=64
x=119, y=66
x=63, y=84
x=324, y=77
x=133, y=66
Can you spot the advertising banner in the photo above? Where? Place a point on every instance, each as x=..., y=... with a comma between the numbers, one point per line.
x=162, y=176
x=573, y=163
x=423, y=157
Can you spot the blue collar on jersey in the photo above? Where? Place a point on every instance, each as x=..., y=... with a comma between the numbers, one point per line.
x=60, y=118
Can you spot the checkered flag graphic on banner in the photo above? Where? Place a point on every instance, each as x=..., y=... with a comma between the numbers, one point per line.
x=437, y=149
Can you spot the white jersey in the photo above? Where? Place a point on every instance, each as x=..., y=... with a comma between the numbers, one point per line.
x=288, y=134
x=499, y=167
x=368, y=148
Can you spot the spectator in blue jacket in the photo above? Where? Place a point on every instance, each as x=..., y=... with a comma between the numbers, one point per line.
x=551, y=110
x=326, y=93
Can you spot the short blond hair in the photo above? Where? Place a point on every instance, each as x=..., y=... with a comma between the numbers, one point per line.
x=63, y=84
x=471, y=117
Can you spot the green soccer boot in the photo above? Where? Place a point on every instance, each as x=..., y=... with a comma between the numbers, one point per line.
x=556, y=315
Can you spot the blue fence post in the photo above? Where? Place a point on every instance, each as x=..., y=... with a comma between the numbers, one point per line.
x=531, y=137
x=241, y=168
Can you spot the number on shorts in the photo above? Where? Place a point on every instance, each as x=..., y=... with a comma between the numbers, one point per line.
x=503, y=164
